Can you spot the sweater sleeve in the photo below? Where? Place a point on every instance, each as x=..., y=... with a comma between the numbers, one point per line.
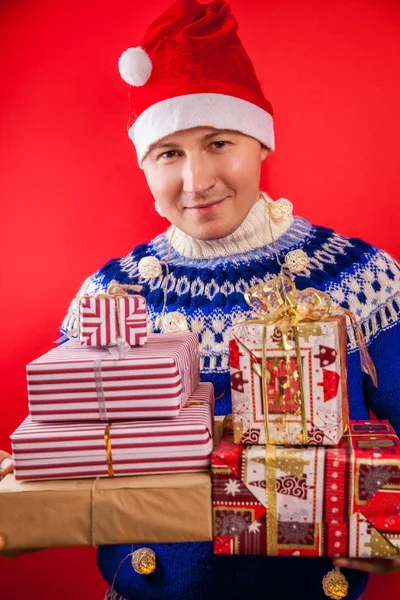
x=384, y=400
x=382, y=330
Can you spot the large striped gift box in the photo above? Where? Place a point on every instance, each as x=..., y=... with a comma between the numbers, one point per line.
x=103, y=320
x=75, y=383
x=80, y=450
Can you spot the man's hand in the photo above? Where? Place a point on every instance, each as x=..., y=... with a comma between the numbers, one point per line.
x=6, y=466
x=377, y=566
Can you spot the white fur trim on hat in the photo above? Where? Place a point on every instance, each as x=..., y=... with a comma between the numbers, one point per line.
x=196, y=110
x=135, y=66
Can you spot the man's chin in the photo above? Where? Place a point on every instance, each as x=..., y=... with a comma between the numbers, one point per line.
x=210, y=232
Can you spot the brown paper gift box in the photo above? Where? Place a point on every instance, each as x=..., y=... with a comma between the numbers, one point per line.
x=89, y=512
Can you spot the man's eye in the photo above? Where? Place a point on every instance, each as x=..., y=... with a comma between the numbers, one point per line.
x=168, y=154
x=220, y=144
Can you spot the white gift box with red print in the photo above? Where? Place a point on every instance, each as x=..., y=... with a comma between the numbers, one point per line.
x=75, y=383
x=322, y=347
x=80, y=450
x=103, y=321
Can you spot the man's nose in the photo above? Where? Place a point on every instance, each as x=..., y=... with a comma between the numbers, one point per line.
x=198, y=174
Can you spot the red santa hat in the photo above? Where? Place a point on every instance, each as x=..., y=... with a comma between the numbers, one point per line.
x=191, y=70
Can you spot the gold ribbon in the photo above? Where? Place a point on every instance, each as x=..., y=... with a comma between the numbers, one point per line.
x=107, y=442
x=278, y=301
x=271, y=499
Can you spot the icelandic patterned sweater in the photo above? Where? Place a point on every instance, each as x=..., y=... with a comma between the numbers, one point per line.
x=206, y=284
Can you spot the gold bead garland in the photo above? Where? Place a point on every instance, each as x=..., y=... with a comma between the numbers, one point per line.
x=280, y=210
x=144, y=561
x=335, y=584
x=149, y=267
x=296, y=261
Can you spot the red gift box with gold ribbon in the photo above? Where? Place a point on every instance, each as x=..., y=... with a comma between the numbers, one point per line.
x=309, y=501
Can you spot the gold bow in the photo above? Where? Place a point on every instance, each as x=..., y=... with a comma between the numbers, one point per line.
x=116, y=289
x=278, y=300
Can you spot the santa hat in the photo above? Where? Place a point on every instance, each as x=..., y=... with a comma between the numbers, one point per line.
x=191, y=70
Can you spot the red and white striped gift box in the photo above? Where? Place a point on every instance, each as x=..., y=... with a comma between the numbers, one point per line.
x=75, y=383
x=103, y=320
x=79, y=450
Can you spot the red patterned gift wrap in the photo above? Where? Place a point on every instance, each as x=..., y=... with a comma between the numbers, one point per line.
x=307, y=403
x=80, y=450
x=75, y=383
x=309, y=501
x=103, y=321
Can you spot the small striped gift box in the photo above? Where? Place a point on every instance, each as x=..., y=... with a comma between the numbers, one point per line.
x=102, y=321
x=79, y=450
x=75, y=383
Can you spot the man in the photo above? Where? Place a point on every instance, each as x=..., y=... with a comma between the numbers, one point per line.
x=202, y=128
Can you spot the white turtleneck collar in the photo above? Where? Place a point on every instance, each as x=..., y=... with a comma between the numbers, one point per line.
x=254, y=232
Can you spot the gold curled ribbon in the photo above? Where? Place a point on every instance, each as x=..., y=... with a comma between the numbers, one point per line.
x=107, y=442
x=279, y=301
x=114, y=290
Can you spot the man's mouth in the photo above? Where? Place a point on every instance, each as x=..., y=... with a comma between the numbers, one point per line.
x=206, y=208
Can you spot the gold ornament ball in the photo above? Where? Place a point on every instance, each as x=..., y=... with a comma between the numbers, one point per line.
x=149, y=267
x=175, y=322
x=281, y=210
x=335, y=585
x=144, y=561
x=296, y=261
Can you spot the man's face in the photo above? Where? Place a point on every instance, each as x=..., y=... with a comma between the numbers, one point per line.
x=205, y=180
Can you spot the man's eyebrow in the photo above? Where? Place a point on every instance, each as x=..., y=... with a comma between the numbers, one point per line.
x=218, y=132
x=158, y=146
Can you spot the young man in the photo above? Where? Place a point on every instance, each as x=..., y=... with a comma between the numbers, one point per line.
x=202, y=128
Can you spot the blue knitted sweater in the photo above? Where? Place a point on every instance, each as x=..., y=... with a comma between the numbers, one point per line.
x=206, y=284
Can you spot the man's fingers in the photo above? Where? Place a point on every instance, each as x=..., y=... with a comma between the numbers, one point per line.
x=6, y=465
x=376, y=566
x=2, y=542
x=370, y=566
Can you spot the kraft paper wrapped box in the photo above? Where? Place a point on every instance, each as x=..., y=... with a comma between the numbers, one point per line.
x=80, y=450
x=75, y=383
x=318, y=418
x=117, y=510
x=321, y=501
x=112, y=317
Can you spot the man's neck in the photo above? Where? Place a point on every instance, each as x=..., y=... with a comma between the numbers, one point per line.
x=254, y=232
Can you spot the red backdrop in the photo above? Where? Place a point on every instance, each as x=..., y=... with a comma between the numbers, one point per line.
x=73, y=196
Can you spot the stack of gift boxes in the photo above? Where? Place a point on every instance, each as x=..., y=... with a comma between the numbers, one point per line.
x=115, y=401
x=292, y=475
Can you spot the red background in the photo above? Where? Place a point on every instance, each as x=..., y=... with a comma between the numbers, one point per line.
x=73, y=195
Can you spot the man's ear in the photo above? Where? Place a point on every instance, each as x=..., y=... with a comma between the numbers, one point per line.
x=264, y=152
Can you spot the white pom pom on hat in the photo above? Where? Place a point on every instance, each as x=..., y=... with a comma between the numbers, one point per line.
x=135, y=66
